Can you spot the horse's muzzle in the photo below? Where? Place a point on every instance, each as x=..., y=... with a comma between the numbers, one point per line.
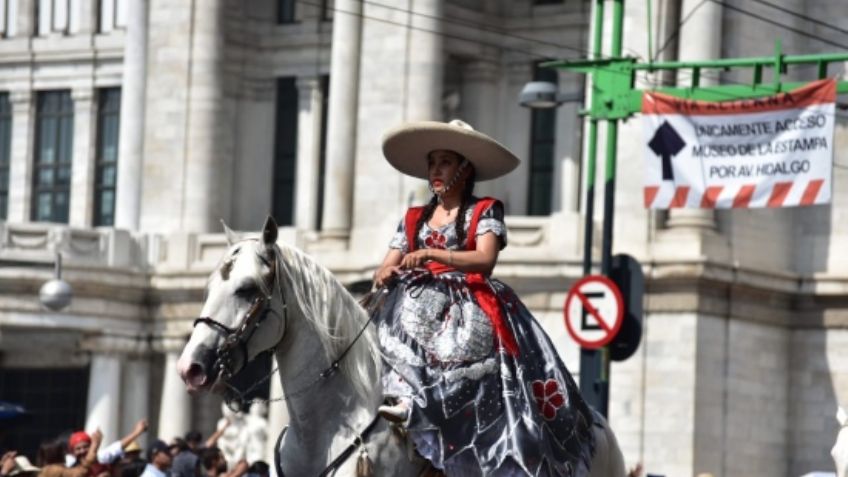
x=197, y=371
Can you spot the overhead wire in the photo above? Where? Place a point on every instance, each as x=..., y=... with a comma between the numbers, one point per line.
x=803, y=16
x=778, y=24
x=443, y=34
x=489, y=28
x=500, y=32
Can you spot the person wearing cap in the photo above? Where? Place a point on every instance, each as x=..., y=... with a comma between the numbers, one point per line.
x=51, y=458
x=471, y=375
x=79, y=442
x=158, y=460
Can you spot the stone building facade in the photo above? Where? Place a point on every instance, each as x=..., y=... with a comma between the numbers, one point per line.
x=130, y=128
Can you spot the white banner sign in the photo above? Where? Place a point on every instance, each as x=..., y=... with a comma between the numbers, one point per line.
x=766, y=152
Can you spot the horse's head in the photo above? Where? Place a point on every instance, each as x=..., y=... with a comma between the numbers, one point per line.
x=243, y=314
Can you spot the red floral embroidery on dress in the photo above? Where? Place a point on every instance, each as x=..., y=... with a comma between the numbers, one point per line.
x=548, y=397
x=436, y=240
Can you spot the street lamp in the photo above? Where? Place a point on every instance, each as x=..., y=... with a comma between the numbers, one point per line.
x=545, y=95
x=56, y=294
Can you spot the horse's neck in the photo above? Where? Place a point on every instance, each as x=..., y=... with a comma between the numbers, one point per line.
x=321, y=411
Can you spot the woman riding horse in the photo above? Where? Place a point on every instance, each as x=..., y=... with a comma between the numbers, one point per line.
x=469, y=372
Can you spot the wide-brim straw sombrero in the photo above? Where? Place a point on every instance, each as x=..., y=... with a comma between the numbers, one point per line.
x=406, y=148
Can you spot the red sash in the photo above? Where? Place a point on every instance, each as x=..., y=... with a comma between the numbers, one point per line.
x=477, y=283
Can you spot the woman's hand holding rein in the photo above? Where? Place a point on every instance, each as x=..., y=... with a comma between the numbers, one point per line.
x=417, y=259
x=384, y=274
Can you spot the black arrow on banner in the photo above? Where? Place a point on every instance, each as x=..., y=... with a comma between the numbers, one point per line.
x=666, y=143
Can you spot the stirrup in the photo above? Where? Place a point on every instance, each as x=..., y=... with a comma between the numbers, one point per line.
x=399, y=413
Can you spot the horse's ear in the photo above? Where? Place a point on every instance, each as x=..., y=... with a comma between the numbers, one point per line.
x=232, y=237
x=269, y=231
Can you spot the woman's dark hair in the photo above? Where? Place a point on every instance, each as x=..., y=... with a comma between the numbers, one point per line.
x=459, y=223
x=51, y=452
x=467, y=194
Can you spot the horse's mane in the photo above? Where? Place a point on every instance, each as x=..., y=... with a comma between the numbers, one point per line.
x=334, y=313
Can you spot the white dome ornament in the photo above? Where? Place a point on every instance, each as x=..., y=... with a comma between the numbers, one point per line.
x=56, y=294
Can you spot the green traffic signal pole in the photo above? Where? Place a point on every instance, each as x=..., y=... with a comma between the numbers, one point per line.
x=613, y=98
x=594, y=364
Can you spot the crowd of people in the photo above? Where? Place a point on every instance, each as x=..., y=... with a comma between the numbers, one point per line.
x=82, y=454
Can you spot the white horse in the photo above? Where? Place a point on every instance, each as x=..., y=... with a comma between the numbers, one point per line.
x=264, y=296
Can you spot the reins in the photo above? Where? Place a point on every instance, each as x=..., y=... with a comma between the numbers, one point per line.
x=339, y=460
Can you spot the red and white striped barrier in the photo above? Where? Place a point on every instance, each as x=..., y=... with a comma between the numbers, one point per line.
x=779, y=194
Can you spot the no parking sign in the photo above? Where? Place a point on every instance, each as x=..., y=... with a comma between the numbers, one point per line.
x=594, y=311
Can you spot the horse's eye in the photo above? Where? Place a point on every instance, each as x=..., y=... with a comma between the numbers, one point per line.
x=247, y=291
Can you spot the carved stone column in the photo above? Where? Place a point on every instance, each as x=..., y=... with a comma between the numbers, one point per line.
x=693, y=233
x=517, y=136
x=341, y=120
x=82, y=169
x=175, y=405
x=24, y=14
x=131, y=136
x=308, y=152
x=82, y=17
x=425, y=75
x=20, y=168
x=135, y=386
x=210, y=140
x=103, y=409
x=426, y=61
x=699, y=40
x=479, y=88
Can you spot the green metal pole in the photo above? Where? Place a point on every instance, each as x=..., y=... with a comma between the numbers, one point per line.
x=598, y=37
x=590, y=196
x=590, y=359
x=597, y=42
x=603, y=383
x=612, y=142
x=617, y=27
x=609, y=196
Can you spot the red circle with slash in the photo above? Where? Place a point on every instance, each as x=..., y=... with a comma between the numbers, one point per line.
x=593, y=311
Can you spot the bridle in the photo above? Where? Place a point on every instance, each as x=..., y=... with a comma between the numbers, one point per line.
x=237, y=338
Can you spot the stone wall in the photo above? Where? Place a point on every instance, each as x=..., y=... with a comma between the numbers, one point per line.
x=817, y=380
x=756, y=431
